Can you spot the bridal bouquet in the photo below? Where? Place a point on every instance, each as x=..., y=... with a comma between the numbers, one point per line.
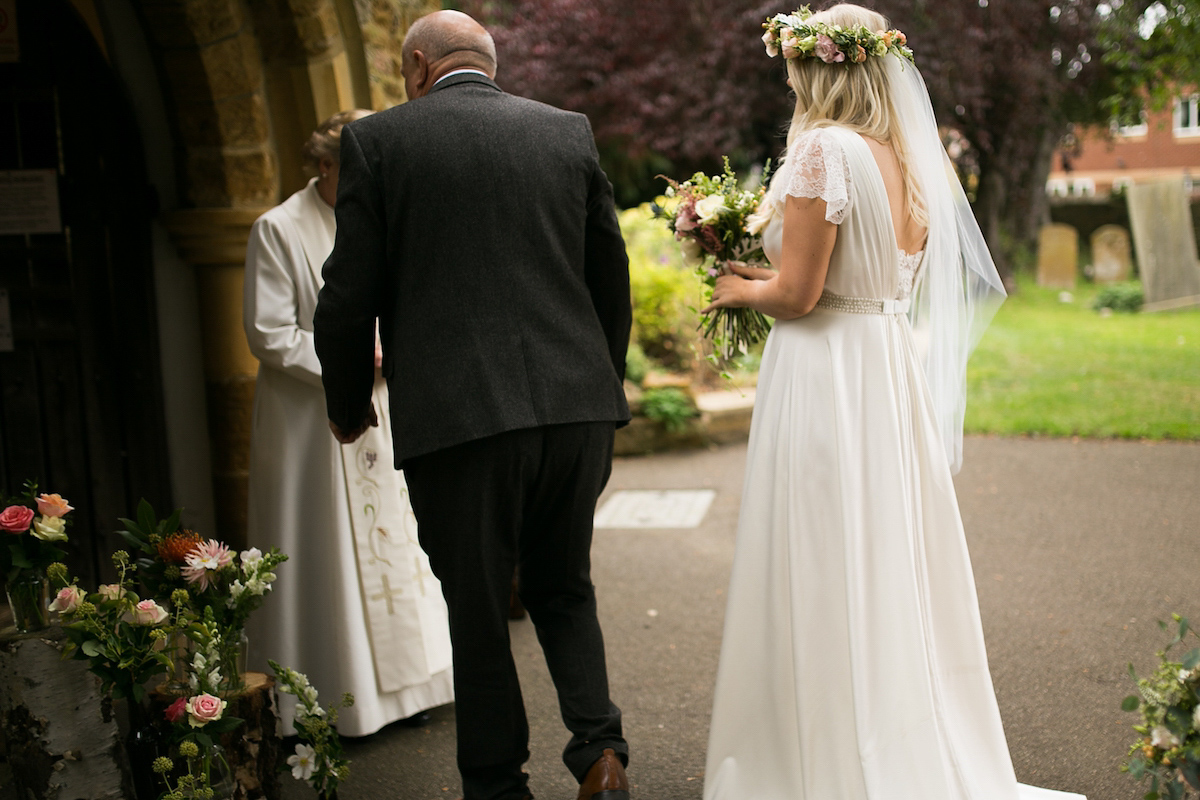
x=1167, y=749
x=716, y=221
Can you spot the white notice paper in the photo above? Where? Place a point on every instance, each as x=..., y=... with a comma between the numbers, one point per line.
x=29, y=201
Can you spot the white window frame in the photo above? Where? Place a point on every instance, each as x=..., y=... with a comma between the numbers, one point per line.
x=1192, y=128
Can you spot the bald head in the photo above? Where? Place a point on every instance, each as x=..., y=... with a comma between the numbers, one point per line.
x=445, y=41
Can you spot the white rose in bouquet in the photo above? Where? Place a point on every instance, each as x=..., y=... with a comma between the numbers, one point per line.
x=709, y=208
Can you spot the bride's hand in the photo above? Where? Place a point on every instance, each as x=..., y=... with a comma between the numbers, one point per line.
x=729, y=292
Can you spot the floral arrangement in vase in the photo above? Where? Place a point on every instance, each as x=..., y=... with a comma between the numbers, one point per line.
x=36, y=524
x=716, y=222
x=1167, y=750
x=205, y=577
x=318, y=758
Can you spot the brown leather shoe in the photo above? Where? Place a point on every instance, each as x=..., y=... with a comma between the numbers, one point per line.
x=606, y=779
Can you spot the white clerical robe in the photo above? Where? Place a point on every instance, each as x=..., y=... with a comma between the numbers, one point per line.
x=355, y=607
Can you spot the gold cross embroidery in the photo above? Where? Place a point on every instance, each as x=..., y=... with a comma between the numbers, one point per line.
x=388, y=593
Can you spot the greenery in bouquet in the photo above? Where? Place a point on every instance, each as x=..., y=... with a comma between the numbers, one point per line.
x=37, y=526
x=204, y=576
x=121, y=636
x=318, y=758
x=716, y=222
x=1167, y=750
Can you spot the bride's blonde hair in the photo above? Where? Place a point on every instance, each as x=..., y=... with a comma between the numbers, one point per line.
x=854, y=96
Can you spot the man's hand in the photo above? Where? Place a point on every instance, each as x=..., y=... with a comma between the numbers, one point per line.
x=346, y=437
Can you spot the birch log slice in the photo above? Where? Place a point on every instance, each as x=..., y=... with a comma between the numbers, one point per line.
x=60, y=735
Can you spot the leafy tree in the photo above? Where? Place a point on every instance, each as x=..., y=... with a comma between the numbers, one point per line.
x=1011, y=76
x=1154, y=50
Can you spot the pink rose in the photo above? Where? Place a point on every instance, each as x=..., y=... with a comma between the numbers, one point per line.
x=111, y=591
x=176, y=710
x=16, y=519
x=827, y=51
x=53, y=505
x=147, y=612
x=203, y=709
x=791, y=46
x=67, y=600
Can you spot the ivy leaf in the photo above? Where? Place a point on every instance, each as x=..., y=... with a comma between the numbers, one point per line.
x=1130, y=703
x=90, y=648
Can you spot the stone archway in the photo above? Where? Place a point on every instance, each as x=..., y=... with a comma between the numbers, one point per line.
x=245, y=82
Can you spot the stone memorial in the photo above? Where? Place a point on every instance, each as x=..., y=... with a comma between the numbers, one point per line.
x=1058, y=256
x=1165, y=243
x=1111, y=255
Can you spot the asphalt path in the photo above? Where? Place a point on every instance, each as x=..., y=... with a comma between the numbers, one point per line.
x=1078, y=548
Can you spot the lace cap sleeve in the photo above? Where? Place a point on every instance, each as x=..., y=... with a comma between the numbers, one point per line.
x=816, y=166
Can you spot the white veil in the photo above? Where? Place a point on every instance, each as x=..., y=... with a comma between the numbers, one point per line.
x=958, y=289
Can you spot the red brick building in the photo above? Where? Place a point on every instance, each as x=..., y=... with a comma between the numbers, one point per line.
x=1166, y=145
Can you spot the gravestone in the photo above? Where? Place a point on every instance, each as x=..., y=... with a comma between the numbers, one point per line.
x=1111, y=256
x=1058, y=255
x=1165, y=242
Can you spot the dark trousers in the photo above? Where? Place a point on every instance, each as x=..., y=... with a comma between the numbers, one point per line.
x=523, y=498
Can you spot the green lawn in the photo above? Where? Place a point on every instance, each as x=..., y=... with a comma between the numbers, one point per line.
x=1061, y=369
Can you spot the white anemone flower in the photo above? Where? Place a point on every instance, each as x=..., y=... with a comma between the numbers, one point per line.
x=303, y=763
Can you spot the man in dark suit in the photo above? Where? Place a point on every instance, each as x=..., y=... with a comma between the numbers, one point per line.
x=479, y=229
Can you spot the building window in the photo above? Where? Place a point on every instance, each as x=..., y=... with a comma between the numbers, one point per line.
x=1187, y=116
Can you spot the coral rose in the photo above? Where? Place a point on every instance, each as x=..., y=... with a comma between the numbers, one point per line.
x=16, y=519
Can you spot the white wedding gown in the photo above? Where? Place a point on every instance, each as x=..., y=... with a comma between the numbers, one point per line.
x=852, y=665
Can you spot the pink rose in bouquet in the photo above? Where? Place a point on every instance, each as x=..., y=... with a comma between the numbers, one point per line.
x=147, y=612
x=16, y=519
x=67, y=600
x=53, y=505
x=203, y=709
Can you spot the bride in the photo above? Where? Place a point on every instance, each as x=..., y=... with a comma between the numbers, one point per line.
x=853, y=665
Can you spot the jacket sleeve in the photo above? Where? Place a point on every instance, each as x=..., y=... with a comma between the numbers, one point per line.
x=270, y=306
x=349, y=302
x=606, y=265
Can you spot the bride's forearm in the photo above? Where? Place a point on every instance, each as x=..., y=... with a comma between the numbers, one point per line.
x=777, y=299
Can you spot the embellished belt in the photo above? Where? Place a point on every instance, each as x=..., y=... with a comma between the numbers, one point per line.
x=861, y=305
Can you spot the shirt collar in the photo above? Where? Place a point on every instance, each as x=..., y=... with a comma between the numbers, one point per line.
x=460, y=72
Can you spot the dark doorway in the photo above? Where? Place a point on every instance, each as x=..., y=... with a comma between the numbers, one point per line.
x=81, y=407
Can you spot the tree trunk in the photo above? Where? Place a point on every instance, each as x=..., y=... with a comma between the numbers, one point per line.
x=61, y=738
x=990, y=201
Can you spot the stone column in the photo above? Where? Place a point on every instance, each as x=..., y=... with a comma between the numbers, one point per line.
x=213, y=242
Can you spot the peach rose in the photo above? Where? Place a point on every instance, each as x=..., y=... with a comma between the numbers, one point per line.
x=53, y=505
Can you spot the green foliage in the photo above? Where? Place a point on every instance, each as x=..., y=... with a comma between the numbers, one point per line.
x=670, y=406
x=664, y=292
x=636, y=364
x=1149, y=66
x=1120, y=297
x=1061, y=369
x=318, y=727
x=1167, y=749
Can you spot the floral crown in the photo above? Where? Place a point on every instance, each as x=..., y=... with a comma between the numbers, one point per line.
x=795, y=37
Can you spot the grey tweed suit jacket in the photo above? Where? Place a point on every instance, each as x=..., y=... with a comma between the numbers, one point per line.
x=480, y=229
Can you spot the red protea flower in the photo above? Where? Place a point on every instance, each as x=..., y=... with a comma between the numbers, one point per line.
x=175, y=547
